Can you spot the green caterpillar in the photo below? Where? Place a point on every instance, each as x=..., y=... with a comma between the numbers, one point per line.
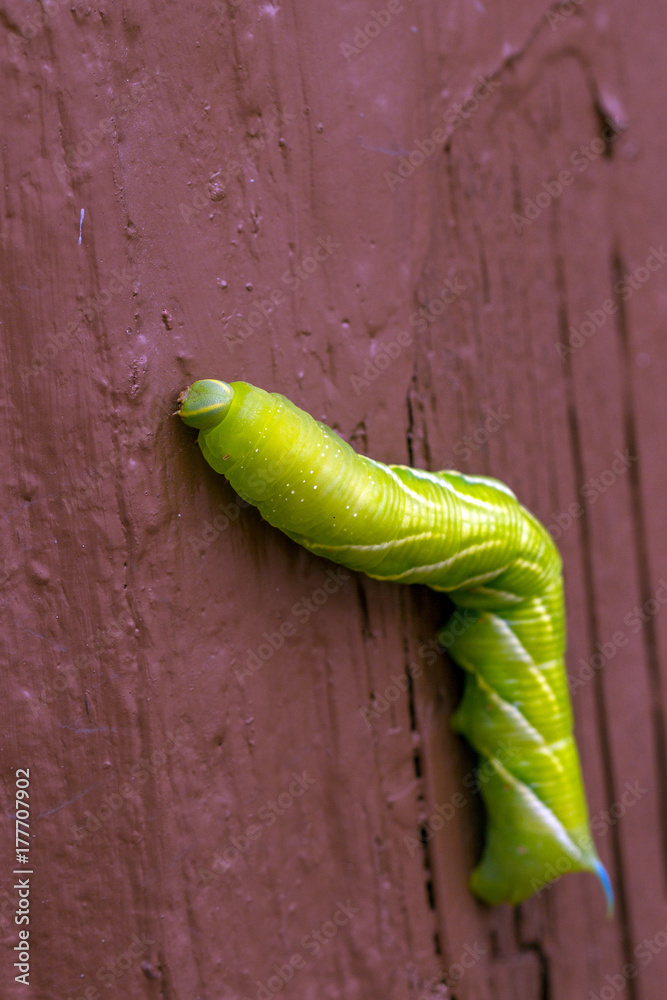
x=468, y=536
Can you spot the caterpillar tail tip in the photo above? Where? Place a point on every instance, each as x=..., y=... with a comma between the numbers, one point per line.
x=605, y=881
x=205, y=403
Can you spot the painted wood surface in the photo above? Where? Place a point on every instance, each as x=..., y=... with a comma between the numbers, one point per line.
x=270, y=192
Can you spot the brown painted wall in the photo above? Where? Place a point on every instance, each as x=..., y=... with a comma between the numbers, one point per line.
x=212, y=147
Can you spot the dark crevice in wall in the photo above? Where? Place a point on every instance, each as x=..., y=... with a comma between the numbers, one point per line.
x=483, y=266
x=362, y=604
x=536, y=948
x=359, y=438
x=411, y=704
x=545, y=983
x=411, y=422
x=609, y=129
x=494, y=943
x=646, y=590
x=591, y=615
x=595, y=639
x=421, y=808
x=165, y=987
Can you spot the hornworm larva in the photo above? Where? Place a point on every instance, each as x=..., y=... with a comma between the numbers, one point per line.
x=468, y=536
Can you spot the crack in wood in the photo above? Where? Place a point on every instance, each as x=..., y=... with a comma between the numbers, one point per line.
x=592, y=618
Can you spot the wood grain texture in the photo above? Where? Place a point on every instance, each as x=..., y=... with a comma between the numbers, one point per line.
x=211, y=147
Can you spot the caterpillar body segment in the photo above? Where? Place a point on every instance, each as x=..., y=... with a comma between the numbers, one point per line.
x=467, y=536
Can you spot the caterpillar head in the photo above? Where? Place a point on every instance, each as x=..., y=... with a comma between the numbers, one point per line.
x=205, y=403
